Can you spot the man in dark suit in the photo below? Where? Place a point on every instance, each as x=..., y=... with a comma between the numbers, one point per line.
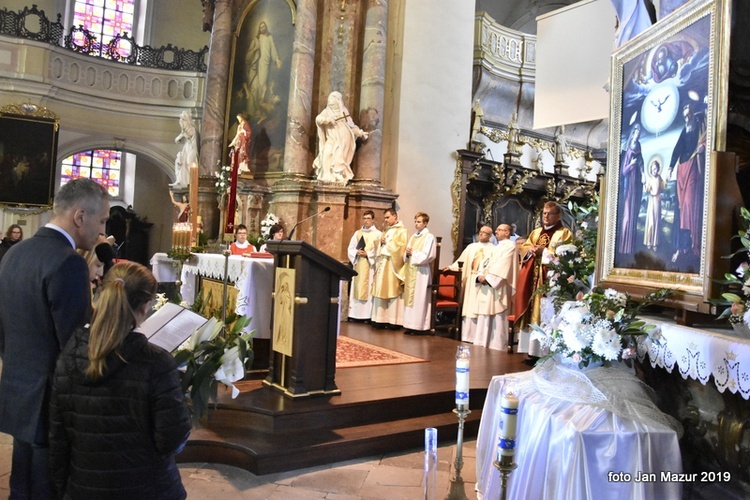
x=44, y=297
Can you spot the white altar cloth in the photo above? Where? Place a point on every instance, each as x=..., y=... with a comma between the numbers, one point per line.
x=570, y=450
x=253, y=279
x=699, y=354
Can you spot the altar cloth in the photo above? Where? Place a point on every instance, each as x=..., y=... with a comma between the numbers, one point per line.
x=568, y=450
x=253, y=278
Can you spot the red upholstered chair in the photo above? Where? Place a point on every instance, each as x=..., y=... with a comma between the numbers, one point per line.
x=446, y=303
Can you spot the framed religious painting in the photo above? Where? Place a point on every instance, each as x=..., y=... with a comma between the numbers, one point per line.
x=667, y=120
x=258, y=93
x=28, y=154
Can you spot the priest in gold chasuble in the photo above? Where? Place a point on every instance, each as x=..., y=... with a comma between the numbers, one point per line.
x=388, y=280
x=533, y=274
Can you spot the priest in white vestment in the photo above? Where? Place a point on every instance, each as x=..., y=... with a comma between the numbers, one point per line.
x=388, y=280
x=490, y=324
x=475, y=259
x=362, y=250
x=418, y=258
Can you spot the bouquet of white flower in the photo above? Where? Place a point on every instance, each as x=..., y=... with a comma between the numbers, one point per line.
x=598, y=327
x=209, y=357
x=266, y=224
x=222, y=180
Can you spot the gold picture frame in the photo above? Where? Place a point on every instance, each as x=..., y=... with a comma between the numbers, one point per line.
x=667, y=116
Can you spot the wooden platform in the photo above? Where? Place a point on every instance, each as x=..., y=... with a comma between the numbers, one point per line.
x=380, y=409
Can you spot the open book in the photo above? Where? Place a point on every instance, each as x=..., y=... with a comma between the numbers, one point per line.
x=170, y=326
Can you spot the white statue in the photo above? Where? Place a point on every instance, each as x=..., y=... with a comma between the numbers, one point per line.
x=337, y=141
x=561, y=145
x=476, y=122
x=188, y=155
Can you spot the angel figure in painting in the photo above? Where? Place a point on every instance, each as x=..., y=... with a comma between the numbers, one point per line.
x=337, y=141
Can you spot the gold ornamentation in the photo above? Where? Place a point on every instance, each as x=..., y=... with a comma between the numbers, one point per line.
x=29, y=109
x=456, y=201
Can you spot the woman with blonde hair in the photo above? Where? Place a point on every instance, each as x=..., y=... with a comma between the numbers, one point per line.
x=117, y=413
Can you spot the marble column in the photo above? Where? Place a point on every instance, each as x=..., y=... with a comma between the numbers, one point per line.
x=215, y=101
x=368, y=157
x=297, y=156
x=208, y=207
x=328, y=228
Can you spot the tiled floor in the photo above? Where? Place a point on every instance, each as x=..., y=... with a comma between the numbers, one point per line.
x=392, y=477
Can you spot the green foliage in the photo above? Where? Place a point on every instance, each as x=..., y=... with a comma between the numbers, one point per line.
x=572, y=262
x=210, y=348
x=736, y=300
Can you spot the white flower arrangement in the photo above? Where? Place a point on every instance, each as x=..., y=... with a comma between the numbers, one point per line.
x=161, y=301
x=600, y=326
x=266, y=224
x=213, y=355
x=223, y=179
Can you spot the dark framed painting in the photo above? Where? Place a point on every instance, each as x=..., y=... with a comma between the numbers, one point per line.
x=28, y=155
x=666, y=118
x=259, y=81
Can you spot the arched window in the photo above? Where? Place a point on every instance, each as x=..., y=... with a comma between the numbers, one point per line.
x=102, y=165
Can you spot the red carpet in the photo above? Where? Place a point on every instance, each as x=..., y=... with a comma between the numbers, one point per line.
x=351, y=353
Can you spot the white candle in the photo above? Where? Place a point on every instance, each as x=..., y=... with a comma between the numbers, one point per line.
x=462, y=375
x=508, y=423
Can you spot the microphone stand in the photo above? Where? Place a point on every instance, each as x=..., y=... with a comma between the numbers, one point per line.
x=291, y=233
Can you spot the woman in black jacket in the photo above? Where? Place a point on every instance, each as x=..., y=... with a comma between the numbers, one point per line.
x=117, y=414
x=12, y=236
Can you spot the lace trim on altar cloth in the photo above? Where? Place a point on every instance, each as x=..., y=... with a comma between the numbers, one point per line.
x=212, y=265
x=612, y=388
x=700, y=354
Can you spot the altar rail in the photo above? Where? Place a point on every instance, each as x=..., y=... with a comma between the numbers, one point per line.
x=33, y=24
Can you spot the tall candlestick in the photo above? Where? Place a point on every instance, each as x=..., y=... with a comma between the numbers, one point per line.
x=193, y=204
x=508, y=423
x=463, y=354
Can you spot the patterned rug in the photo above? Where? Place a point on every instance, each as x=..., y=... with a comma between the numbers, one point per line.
x=352, y=353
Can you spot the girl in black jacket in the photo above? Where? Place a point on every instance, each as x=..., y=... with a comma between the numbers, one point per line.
x=117, y=414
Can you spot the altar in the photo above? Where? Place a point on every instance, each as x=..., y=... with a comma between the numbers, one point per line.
x=251, y=277
x=572, y=450
x=569, y=449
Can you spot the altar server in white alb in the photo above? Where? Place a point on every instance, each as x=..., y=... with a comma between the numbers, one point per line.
x=498, y=285
x=363, y=248
x=418, y=258
x=475, y=259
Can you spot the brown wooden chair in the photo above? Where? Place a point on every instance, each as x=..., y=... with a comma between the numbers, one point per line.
x=511, y=331
x=446, y=298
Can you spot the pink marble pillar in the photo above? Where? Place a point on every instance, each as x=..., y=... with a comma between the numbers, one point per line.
x=215, y=103
x=327, y=230
x=297, y=155
x=367, y=169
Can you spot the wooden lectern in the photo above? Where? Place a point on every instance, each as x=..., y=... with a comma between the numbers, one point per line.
x=305, y=319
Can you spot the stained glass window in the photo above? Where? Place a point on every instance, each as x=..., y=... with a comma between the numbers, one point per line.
x=101, y=165
x=105, y=19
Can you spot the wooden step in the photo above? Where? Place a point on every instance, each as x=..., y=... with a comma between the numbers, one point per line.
x=264, y=453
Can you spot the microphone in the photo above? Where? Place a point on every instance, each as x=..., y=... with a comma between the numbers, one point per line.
x=291, y=233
